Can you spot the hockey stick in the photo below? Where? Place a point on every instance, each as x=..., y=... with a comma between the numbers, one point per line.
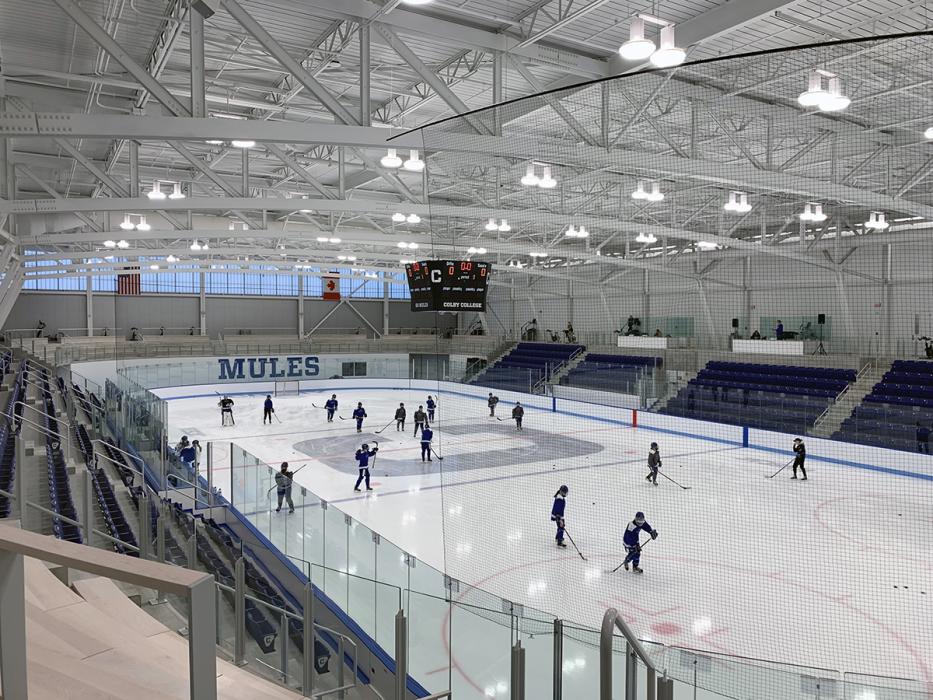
x=640, y=547
x=380, y=431
x=437, y=455
x=275, y=486
x=574, y=545
x=276, y=416
x=780, y=470
x=685, y=488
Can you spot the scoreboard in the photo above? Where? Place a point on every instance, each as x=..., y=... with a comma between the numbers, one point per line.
x=448, y=285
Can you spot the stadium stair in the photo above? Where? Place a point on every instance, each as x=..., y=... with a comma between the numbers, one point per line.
x=93, y=642
x=842, y=408
x=568, y=367
x=527, y=365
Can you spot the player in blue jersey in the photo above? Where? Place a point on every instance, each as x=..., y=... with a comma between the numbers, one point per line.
x=557, y=513
x=631, y=541
x=654, y=463
x=426, y=436
x=431, y=406
x=331, y=406
x=359, y=413
x=267, y=409
x=362, y=457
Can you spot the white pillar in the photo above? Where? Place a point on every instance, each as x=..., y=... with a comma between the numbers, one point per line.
x=202, y=304
x=301, y=306
x=89, y=304
x=385, y=308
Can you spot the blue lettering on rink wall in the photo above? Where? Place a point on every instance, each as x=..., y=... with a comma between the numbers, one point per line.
x=233, y=368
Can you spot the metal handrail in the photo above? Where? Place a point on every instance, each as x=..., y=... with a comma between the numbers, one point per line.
x=612, y=621
x=820, y=419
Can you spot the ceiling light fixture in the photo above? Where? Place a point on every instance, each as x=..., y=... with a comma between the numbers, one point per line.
x=547, y=182
x=214, y=142
x=640, y=192
x=334, y=240
x=814, y=94
x=391, y=159
x=530, y=179
x=813, y=212
x=176, y=192
x=503, y=226
x=706, y=245
x=738, y=203
x=537, y=254
x=242, y=143
x=646, y=238
x=171, y=259
x=110, y=244
x=414, y=163
x=656, y=195
x=143, y=225
x=127, y=225
x=491, y=225
x=876, y=221
x=668, y=55
x=637, y=48
x=322, y=239
x=153, y=267
x=156, y=191
x=928, y=134
x=398, y=217
x=195, y=245
x=833, y=100
x=413, y=219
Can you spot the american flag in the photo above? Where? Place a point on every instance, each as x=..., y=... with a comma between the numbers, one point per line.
x=128, y=281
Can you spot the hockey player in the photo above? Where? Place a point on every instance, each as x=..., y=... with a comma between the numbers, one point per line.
x=189, y=455
x=182, y=444
x=283, y=487
x=431, y=406
x=557, y=513
x=517, y=414
x=400, y=414
x=358, y=415
x=631, y=541
x=421, y=419
x=491, y=402
x=654, y=463
x=426, y=436
x=226, y=409
x=331, y=406
x=800, y=456
x=362, y=457
x=267, y=409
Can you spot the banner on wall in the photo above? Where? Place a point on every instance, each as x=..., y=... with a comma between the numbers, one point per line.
x=128, y=281
x=331, y=287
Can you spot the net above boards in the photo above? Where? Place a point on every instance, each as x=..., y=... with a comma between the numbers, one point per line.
x=287, y=388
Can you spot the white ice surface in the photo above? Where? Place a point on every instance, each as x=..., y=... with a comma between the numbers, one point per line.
x=834, y=573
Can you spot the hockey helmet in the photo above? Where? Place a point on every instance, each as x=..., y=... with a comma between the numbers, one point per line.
x=365, y=446
x=639, y=517
x=563, y=490
x=654, y=445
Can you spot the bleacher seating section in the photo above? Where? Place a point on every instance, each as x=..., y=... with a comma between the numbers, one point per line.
x=8, y=444
x=611, y=372
x=527, y=364
x=117, y=525
x=774, y=397
x=888, y=416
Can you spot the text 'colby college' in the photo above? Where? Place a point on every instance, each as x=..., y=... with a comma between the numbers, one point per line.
x=267, y=367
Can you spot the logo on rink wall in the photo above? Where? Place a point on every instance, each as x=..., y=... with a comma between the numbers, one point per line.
x=267, y=367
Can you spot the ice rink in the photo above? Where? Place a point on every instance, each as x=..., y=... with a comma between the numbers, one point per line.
x=833, y=573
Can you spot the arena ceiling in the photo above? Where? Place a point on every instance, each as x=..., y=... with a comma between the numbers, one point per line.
x=104, y=97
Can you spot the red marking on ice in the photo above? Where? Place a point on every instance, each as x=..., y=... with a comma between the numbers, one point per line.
x=666, y=628
x=436, y=670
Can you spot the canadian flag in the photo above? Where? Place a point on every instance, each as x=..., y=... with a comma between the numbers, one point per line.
x=331, y=288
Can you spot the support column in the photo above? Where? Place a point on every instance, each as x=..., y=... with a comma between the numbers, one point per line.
x=365, y=107
x=196, y=38
x=646, y=300
x=747, y=291
x=301, y=306
x=89, y=303
x=887, y=255
x=385, y=308
x=134, y=168
x=202, y=304
x=497, y=73
x=604, y=115
x=341, y=172
x=244, y=174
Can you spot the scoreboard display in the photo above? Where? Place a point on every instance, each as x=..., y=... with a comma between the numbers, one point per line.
x=448, y=285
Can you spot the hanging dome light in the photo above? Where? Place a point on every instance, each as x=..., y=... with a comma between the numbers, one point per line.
x=195, y=245
x=646, y=238
x=335, y=240
x=242, y=143
x=143, y=225
x=414, y=163
x=122, y=245
x=668, y=55
x=928, y=134
x=205, y=246
x=413, y=219
x=833, y=100
x=171, y=259
x=732, y=203
x=322, y=239
x=127, y=225
x=156, y=192
x=153, y=267
x=639, y=192
x=547, y=182
x=814, y=94
x=656, y=195
x=530, y=179
x=176, y=192
x=637, y=48
x=706, y=245
x=491, y=225
x=398, y=217
x=571, y=231
x=471, y=250
x=110, y=244
x=481, y=251
x=504, y=226
x=876, y=221
x=582, y=232
x=391, y=159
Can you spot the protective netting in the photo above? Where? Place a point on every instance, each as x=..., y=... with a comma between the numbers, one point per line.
x=733, y=326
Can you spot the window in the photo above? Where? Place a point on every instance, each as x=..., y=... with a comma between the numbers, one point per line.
x=353, y=369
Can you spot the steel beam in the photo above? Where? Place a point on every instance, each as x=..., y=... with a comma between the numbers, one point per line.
x=108, y=44
x=196, y=43
x=435, y=82
x=365, y=74
x=103, y=177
